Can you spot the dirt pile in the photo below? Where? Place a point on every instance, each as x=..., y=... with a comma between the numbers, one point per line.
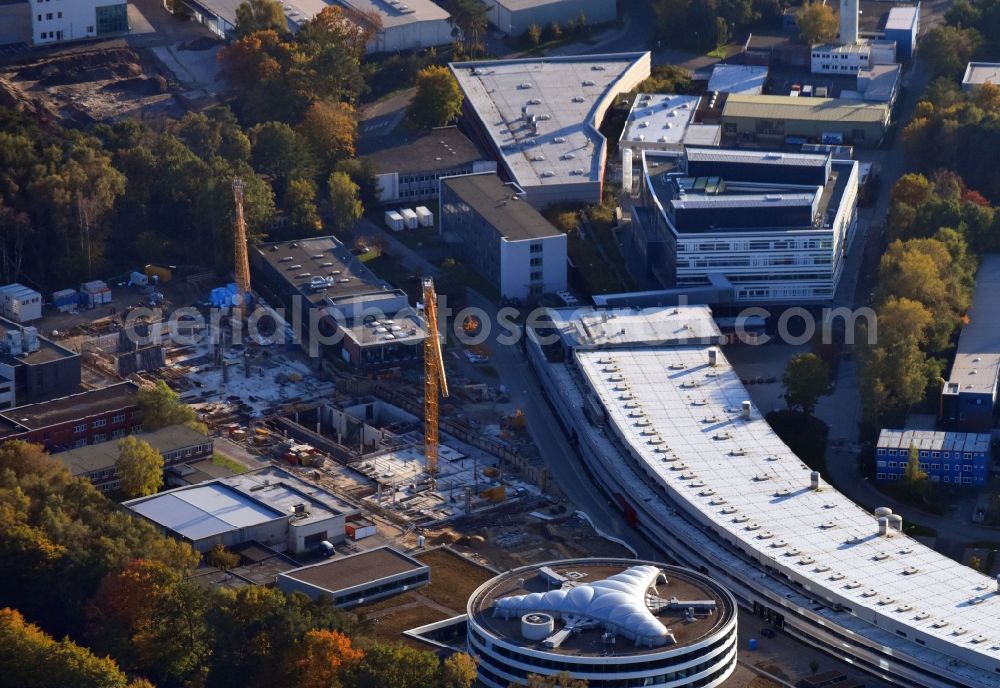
x=79, y=68
x=12, y=97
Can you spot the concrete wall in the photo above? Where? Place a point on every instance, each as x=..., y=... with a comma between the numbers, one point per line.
x=516, y=269
x=413, y=36
x=331, y=529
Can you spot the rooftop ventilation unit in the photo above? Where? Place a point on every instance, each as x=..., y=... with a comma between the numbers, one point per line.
x=559, y=139
x=588, y=82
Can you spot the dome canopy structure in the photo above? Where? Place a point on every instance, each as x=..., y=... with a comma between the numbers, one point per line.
x=618, y=603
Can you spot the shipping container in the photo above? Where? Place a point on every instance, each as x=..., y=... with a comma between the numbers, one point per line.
x=409, y=218
x=394, y=221
x=358, y=529
x=20, y=303
x=425, y=217
x=65, y=299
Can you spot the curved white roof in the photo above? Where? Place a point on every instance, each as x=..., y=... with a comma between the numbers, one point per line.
x=617, y=602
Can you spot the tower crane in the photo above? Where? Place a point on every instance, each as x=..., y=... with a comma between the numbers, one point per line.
x=242, y=259
x=435, y=382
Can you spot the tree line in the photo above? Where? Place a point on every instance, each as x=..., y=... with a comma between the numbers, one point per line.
x=705, y=24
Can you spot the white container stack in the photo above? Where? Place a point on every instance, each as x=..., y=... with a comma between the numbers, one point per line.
x=425, y=216
x=409, y=218
x=394, y=221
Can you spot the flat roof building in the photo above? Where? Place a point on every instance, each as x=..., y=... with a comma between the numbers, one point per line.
x=504, y=238
x=176, y=444
x=409, y=25
x=666, y=122
x=33, y=368
x=357, y=578
x=779, y=119
x=733, y=78
x=979, y=73
x=969, y=397
x=675, y=442
x=540, y=118
x=955, y=458
x=343, y=309
x=600, y=619
x=408, y=169
x=513, y=17
x=775, y=226
x=269, y=505
x=880, y=83
x=902, y=25
x=74, y=20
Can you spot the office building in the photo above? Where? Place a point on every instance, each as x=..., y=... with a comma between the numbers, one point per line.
x=337, y=306
x=605, y=621
x=670, y=435
x=776, y=227
x=357, y=578
x=501, y=237
x=513, y=17
x=956, y=458
x=404, y=25
x=54, y=21
x=969, y=397
x=540, y=119
x=269, y=506
x=177, y=444
x=408, y=169
x=786, y=119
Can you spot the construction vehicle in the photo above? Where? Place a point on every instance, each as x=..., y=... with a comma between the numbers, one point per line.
x=435, y=382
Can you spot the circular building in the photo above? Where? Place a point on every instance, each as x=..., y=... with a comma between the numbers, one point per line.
x=614, y=622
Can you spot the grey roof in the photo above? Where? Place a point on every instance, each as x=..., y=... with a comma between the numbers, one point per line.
x=977, y=361
x=439, y=149
x=95, y=457
x=342, y=573
x=934, y=440
x=782, y=200
x=75, y=406
x=499, y=205
x=978, y=73
x=901, y=18
x=399, y=13
x=662, y=118
x=757, y=157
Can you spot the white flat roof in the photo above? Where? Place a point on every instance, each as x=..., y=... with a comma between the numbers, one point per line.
x=564, y=94
x=682, y=419
x=590, y=327
x=204, y=511
x=730, y=78
x=978, y=73
x=659, y=118
x=901, y=18
x=977, y=361
x=398, y=13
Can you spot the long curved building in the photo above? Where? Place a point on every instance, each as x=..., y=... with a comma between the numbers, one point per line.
x=666, y=428
x=613, y=622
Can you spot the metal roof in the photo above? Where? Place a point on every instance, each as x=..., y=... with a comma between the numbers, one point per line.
x=204, y=511
x=934, y=440
x=567, y=97
x=977, y=361
x=681, y=418
x=816, y=109
x=731, y=78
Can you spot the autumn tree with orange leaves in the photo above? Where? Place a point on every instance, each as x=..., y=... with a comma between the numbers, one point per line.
x=322, y=658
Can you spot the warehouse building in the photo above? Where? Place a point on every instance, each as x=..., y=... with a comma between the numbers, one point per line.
x=269, y=506
x=513, y=17
x=968, y=401
x=408, y=170
x=357, y=578
x=76, y=420
x=955, y=458
x=734, y=78
x=72, y=20
x=540, y=118
x=502, y=237
x=666, y=122
x=784, y=119
x=336, y=306
x=177, y=444
x=598, y=620
x=979, y=73
x=406, y=24
x=902, y=27
x=776, y=227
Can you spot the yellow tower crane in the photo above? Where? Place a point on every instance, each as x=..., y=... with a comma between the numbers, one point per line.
x=435, y=382
x=242, y=268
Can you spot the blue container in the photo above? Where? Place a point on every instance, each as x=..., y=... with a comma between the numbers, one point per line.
x=752, y=644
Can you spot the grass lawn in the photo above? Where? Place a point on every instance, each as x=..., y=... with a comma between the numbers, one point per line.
x=804, y=435
x=453, y=578
x=724, y=52
x=226, y=462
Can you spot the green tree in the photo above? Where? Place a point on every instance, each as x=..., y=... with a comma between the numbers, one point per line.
x=458, y=671
x=33, y=659
x=914, y=474
x=140, y=467
x=438, y=100
x=260, y=15
x=946, y=49
x=161, y=407
x=281, y=152
x=222, y=558
x=363, y=173
x=345, y=206
x=817, y=23
x=806, y=379
x=396, y=665
x=468, y=22
x=667, y=79
x=300, y=206
x=561, y=680
x=534, y=34
x=331, y=130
